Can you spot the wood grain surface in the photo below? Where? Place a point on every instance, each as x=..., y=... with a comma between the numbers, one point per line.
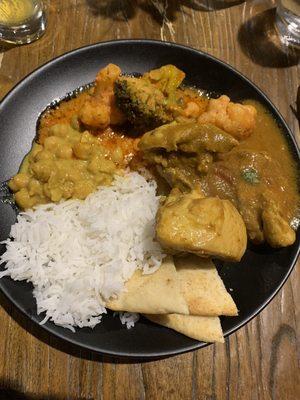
x=260, y=361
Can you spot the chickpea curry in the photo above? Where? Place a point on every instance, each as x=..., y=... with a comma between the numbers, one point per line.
x=226, y=167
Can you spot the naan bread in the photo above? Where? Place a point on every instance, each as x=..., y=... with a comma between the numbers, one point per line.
x=157, y=293
x=206, y=329
x=203, y=288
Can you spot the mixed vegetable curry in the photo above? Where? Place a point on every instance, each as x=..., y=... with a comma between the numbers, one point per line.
x=224, y=168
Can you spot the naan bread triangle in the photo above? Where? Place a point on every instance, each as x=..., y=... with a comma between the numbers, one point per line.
x=206, y=329
x=202, y=287
x=157, y=293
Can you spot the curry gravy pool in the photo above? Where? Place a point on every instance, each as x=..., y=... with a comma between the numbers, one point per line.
x=257, y=175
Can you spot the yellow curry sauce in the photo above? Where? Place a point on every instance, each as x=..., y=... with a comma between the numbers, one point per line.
x=67, y=163
x=268, y=137
x=259, y=176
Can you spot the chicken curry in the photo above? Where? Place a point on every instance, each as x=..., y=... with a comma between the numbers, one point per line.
x=226, y=167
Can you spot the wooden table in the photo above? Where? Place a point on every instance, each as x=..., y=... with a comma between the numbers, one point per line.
x=260, y=361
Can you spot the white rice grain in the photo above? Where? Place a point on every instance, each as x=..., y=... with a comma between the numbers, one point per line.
x=78, y=254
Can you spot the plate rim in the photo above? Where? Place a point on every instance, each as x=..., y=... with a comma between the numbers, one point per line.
x=196, y=345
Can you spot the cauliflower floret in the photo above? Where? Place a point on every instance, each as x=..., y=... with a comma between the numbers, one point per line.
x=234, y=118
x=100, y=109
x=191, y=110
x=95, y=113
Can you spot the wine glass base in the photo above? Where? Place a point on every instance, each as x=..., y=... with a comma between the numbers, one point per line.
x=25, y=33
x=288, y=35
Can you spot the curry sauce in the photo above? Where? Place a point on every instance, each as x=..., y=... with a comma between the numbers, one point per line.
x=233, y=151
x=268, y=137
x=259, y=176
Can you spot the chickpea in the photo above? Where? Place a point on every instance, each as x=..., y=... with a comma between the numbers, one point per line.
x=36, y=148
x=93, y=165
x=35, y=187
x=73, y=172
x=100, y=164
x=46, y=190
x=39, y=200
x=68, y=189
x=18, y=182
x=117, y=155
x=64, y=151
x=44, y=155
x=43, y=169
x=61, y=130
x=86, y=137
x=56, y=194
x=103, y=179
x=66, y=133
x=52, y=142
x=83, y=188
x=100, y=150
x=107, y=166
x=82, y=150
x=24, y=200
x=56, y=130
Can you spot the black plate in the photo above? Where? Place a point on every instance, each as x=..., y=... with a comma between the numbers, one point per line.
x=255, y=280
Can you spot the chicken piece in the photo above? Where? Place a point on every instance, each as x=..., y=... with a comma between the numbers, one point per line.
x=100, y=110
x=277, y=231
x=188, y=137
x=236, y=119
x=183, y=152
x=179, y=171
x=254, y=183
x=203, y=226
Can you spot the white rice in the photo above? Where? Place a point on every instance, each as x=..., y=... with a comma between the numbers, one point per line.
x=128, y=319
x=78, y=254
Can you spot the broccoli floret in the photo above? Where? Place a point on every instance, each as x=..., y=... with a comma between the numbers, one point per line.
x=149, y=101
x=143, y=104
x=167, y=78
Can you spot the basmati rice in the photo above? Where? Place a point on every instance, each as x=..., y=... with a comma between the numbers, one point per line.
x=78, y=254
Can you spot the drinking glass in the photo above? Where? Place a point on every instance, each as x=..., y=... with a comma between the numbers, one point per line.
x=288, y=21
x=21, y=21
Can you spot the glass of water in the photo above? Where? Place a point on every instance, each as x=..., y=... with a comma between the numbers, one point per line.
x=288, y=21
x=21, y=21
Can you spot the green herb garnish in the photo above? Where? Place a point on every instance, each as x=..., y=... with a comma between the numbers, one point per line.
x=250, y=175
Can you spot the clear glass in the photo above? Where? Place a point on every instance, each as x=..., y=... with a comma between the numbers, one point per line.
x=288, y=21
x=21, y=21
